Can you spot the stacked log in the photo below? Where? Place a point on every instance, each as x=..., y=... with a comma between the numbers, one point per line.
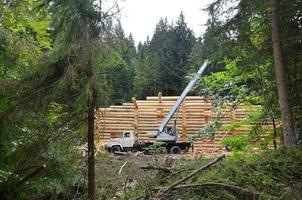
x=141, y=116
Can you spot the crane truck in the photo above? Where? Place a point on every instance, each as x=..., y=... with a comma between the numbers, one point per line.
x=168, y=136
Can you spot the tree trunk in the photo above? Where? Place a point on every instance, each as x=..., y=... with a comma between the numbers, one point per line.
x=91, y=161
x=289, y=137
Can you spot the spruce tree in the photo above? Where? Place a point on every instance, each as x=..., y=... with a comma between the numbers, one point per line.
x=239, y=37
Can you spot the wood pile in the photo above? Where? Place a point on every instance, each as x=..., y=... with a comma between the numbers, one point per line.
x=146, y=115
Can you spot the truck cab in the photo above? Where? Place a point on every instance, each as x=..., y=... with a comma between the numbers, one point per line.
x=119, y=144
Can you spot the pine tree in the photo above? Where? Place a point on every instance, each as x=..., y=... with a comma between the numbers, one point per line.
x=63, y=90
x=142, y=79
x=289, y=135
x=120, y=79
x=165, y=60
x=242, y=42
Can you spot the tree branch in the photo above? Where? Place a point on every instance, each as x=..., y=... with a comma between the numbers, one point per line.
x=29, y=176
x=222, y=185
x=171, y=187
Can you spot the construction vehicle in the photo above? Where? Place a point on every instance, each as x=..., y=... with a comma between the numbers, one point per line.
x=168, y=136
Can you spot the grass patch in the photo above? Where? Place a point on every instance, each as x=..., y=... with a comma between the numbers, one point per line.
x=271, y=174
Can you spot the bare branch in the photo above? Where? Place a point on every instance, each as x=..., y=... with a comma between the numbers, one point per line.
x=164, y=191
x=222, y=185
x=35, y=172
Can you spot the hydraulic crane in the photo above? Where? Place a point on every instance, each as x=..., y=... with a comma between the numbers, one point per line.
x=165, y=134
x=168, y=134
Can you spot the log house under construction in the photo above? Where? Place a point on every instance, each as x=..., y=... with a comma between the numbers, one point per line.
x=195, y=112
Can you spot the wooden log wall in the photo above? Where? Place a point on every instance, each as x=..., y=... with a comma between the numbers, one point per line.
x=146, y=115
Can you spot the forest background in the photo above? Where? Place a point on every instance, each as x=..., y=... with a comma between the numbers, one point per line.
x=59, y=60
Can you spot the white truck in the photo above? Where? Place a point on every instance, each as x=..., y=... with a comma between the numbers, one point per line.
x=128, y=143
x=167, y=135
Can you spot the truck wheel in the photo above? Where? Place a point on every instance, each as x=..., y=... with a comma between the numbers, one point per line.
x=115, y=148
x=175, y=150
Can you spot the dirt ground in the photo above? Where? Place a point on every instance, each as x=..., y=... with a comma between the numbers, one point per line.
x=113, y=172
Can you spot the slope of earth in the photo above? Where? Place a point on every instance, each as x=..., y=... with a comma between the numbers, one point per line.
x=272, y=174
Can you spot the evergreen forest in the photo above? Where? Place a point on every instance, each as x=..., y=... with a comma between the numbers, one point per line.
x=61, y=60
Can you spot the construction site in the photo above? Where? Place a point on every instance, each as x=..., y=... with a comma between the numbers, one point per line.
x=194, y=113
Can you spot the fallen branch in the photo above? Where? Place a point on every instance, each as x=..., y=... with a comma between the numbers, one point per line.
x=125, y=188
x=157, y=168
x=223, y=185
x=171, y=187
x=120, y=171
x=120, y=153
x=138, y=153
x=35, y=172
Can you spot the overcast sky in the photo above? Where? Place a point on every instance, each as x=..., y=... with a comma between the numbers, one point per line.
x=141, y=16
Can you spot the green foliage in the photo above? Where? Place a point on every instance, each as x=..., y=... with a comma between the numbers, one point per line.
x=121, y=73
x=208, y=130
x=48, y=45
x=63, y=173
x=237, y=143
x=25, y=20
x=161, y=65
x=238, y=38
x=268, y=174
x=274, y=171
x=44, y=97
x=156, y=148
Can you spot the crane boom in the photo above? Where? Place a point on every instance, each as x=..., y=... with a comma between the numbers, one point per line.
x=182, y=97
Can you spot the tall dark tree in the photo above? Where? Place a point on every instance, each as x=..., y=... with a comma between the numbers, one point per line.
x=239, y=37
x=289, y=135
x=79, y=27
x=57, y=97
x=166, y=57
x=120, y=78
x=142, y=80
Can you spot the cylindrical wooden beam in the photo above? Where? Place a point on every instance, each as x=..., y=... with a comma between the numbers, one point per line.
x=159, y=110
x=135, y=122
x=184, y=121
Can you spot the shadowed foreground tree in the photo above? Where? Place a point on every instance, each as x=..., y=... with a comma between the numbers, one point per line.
x=289, y=136
x=53, y=102
x=79, y=27
x=245, y=37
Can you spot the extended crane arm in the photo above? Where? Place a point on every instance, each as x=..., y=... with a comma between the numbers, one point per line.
x=182, y=97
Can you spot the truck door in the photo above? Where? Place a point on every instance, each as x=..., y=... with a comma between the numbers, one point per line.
x=127, y=140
